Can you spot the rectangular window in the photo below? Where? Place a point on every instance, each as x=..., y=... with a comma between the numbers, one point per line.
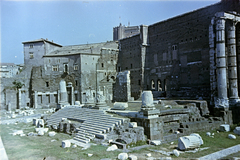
x=55, y=68
x=75, y=67
x=31, y=46
x=31, y=55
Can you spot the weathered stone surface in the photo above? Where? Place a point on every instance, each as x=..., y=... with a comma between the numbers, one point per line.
x=51, y=134
x=123, y=156
x=40, y=132
x=224, y=128
x=198, y=136
x=156, y=142
x=231, y=136
x=90, y=155
x=132, y=124
x=77, y=103
x=132, y=157
x=112, y=148
x=148, y=154
x=176, y=152
x=147, y=99
x=208, y=134
x=74, y=146
x=66, y=143
x=189, y=142
x=120, y=106
x=45, y=130
x=237, y=131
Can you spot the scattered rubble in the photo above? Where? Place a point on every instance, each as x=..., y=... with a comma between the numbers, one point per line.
x=237, y=131
x=190, y=142
x=156, y=142
x=112, y=148
x=224, y=128
x=51, y=134
x=123, y=156
x=231, y=136
x=132, y=124
x=176, y=152
x=66, y=144
x=120, y=106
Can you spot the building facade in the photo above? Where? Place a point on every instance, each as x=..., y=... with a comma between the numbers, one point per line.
x=177, y=57
x=123, y=31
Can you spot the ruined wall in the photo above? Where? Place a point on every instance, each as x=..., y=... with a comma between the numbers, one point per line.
x=121, y=89
x=130, y=59
x=106, y=72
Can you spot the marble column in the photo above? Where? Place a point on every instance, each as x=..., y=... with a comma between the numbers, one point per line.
x=232, y=64
x=222, y=101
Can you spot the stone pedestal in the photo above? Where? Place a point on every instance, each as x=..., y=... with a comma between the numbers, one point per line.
x=148, y=109
x=63, y=95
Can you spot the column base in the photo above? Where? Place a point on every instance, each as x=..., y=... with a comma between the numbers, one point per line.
x=221, y=103
x=234, y=101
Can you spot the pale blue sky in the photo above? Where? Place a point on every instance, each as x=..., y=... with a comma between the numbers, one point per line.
x=78, y=22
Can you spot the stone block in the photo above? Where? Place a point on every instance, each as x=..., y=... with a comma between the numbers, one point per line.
x=132, y=124
x=224, y=128
x=51, y=134
x=156, y=142
x=231, y=136
x=123, y=156
x=112, y=148
x=120, y=106
x=45, y=130
x=176, y=152
x=77, y=103
x=40, y=132
x=66, y=144
x=237, y=131
x=189, y=142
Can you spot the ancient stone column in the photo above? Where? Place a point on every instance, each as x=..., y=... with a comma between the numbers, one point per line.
x=232, y=64
x=147, y=101
x=35, y=99
x=63, y=92
x=222, y=101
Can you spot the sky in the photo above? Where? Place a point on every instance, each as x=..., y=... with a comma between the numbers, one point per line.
x=78, y=22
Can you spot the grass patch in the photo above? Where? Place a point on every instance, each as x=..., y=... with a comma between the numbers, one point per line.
x=38, y=147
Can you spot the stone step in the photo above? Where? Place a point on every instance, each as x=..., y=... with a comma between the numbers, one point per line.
x=88, y=136
x=81, y=140
x=87, y=131
x=102, y=130
x=81, y=136
x=109, y=126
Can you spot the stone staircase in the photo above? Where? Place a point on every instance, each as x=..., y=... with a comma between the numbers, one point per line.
x=95, y=123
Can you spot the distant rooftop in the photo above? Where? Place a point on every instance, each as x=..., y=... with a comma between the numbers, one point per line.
x=42, y=40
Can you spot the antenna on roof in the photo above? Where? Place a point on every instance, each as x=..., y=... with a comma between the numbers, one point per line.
x=128, y=23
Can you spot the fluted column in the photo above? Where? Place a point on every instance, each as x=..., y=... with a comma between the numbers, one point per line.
x=232, y=64
x=222, y=101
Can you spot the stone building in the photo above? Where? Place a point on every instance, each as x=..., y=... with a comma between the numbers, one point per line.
x=8, y=70
x=185, y=56
x=123, y=31
x=87, y=70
